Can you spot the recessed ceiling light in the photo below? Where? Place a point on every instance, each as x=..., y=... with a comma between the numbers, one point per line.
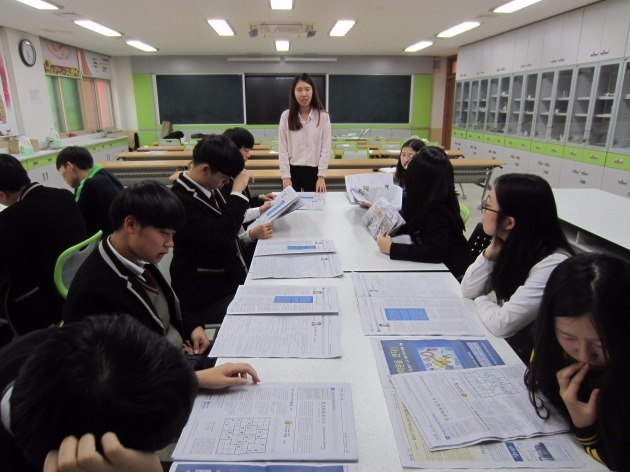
x=141, y=45
x=282, y=46
x=455, y=30
x=39, y=4
x=281, y=4
x=421, y=45
x=514, y=6
x=341, y=28
x=97, y=28
x=221, y=27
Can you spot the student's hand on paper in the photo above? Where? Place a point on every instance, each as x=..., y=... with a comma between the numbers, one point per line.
x=264, y=231
x=198, y=342
x=286, y=183
x=320, y=186
x=569, y=380
x=365, y=205
x=267, y=197
x=384, y=243
x=492, y=251
x=241, y=181
x=265, y=206
x=80, y=455
x=226, y=375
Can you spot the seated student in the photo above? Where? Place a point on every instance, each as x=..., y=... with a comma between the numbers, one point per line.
x=580, y=359
x=410, y=148
x=38, y=225
x=104, y=374
x=208, y=262
x=527, y=244
x=94, y=187
x=432, y=216
x=120, y=276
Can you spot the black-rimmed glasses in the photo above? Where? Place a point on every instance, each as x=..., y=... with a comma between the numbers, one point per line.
x=484, y=206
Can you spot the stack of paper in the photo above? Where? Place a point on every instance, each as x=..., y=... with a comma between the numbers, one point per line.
x=260, y=467
x=286, y=202
x=362, y=183
x=382, y=218
x=414, y=303
x=269, y=247
x=271, y=422
x=312, y=200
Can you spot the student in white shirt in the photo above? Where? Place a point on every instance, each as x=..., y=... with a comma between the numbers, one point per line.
x=527, y=244
x=305, y=138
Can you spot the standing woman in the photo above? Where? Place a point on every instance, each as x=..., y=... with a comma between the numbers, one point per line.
x=305, y=138
x=580, y=359
x=431, y=210
x=527, y=244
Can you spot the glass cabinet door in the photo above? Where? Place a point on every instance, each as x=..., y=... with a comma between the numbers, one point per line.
x=465, y=103
x=493, y=104
x=482, y=105
x=457, y=105
x=504, y=101
x=530, y=93
x=581, y=105
x=545, y=96
x=515, y=106
x=474, y=104
x=560, y=105
x=621, y=135
x=603, y=103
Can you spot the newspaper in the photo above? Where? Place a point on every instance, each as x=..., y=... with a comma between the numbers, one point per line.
x=286, y=202
x=365, y=181
x=284, y=300
x=382, y=218
x=272, y=247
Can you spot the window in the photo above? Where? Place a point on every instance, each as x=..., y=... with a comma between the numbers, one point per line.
x=80, y=104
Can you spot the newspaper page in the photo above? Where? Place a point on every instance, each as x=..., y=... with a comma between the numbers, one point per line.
x=455, y=408
x=365, y=181
x=286, y=202
x=313, y=337
x=392, y=193
x=268, y=247
x=406, y=284
x=299, y=266
x=271, y=422
x=258, y=467
x=284, y=300
x=382, y=218
x=313, y=201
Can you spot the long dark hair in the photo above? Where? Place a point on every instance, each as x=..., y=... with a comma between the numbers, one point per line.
x=593, y=285
x=294, y=106
x=416, y=145
x=529, y=200
x=430, y=181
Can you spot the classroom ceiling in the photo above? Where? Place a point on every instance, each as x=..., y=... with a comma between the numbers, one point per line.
x=179, y=28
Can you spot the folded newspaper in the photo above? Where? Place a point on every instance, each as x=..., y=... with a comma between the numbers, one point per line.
x=371, y=186
x=286, y=202
x=381, y=218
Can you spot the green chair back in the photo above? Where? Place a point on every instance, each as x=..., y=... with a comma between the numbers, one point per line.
x=70, y=260
x=356, y=154
x=464, y=211
x=345, y=145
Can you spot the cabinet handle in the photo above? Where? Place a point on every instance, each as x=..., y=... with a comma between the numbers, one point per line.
x=537, y=147
x=618, y=161
x=547, y=164
x=575, y=171
x=561, y=59
x=622, y=182
x=594, y=54
x=545, y=172
x=554, y=149
x=553, y=61
x=604, y=51
x=529, y=64
x=582, y=181
x=572, y=153
x=502, y=68
x=540, y=163
x=593, y=156
x=585, y=173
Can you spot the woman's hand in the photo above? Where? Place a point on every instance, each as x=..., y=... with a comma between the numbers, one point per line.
x=365, y=204
x=569, y=380
x=492, y=251
x=286, y=183
x=226, y=375
x=264, y=231
x=320, y=186
x=265, y=206
x=198, y=342
x=267, y=197
x=384, y=243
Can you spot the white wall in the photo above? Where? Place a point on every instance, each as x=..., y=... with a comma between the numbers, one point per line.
x=123, y=94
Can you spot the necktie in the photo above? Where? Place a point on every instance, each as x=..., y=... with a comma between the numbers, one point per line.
x=214, y=202
x=150, y=280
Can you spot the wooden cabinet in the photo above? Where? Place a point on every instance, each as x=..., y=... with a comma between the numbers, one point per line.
x=561, y=40
x=604, y=28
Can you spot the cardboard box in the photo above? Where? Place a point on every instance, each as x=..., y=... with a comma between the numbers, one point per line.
x=35, y=144
x=14, y=145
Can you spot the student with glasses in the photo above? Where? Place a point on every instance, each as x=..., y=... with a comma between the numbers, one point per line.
x=527, y=244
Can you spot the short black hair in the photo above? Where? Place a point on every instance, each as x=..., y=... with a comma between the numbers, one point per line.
x=104, y=373
x=220, y=153
x=13, y=175
x=241, y=137
x=77, y=155
x=151, y=204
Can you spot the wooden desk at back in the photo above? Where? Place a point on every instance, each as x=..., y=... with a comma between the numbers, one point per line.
x=130, y=172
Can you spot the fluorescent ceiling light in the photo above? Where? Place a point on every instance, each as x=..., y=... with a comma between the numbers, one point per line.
x=221, y=27
x=281, y=4
x=455, y=30
x=253, y=59
x=421, y=45
x=39, y=4
x=309, y=59
x=342, y=27
x=514, y=6
x=282, y=46
x=91, y=25
x=141, y=45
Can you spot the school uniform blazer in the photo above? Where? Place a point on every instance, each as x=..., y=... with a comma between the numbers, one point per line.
x=34, y=231
x=254, y=201
x=96, y=198
x=103, y=285
x=437, y=238
x=207, y=261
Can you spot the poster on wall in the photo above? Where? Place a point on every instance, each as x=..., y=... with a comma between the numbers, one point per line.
x=60, y=59
x=95, y=65
x=8, y=124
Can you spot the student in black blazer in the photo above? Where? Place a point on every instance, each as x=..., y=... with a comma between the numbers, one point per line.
x=94, y=187
x=38, y=225
x=208, y=263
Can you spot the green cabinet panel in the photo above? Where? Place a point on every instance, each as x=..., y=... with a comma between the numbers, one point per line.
x=475, y=136
x=550, y=149
x=618, y=161
x=515, y=143
x=37, y=162
x=597, y=158
x=573, y=153
x=494, y=139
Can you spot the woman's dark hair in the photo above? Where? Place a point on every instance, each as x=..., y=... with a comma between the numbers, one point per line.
x=593, y=285
x=430, y=181
x=416, y=145
x=13, y=175
x=241, y=137
x=294, y=106
x=536, y=234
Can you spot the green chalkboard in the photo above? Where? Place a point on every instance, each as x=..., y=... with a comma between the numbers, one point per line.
x=369, y=98
x=200, y=99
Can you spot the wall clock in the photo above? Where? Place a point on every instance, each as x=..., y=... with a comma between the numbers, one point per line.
x=27, y=52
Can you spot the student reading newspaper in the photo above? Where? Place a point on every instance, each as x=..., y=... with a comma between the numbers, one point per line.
x=382, y=218
x=286, y=202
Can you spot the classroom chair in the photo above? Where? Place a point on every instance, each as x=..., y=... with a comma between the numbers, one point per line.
x=464, y=211
x=274, y=146
x=345, y=145
x=355, y=154
x=390, y=146
x=478, y=240
x=70, y=260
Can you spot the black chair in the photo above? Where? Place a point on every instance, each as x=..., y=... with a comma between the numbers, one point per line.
x=478, y=240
